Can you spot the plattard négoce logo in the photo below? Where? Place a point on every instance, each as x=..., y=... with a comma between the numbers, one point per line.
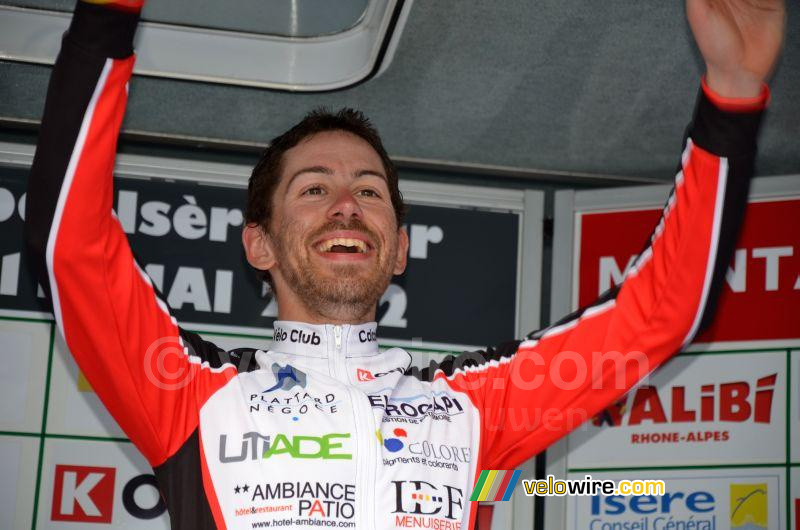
x=414, y=409
x=421, y=504
x=288, y=396
x=749, y=507
x=730, y=402
x=255, y=446
x=308, y=503
x=286, y=378
x=405, y=450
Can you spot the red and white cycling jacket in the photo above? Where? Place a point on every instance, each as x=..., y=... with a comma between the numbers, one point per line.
x=321, y=428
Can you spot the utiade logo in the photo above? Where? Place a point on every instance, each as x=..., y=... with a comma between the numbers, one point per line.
x=256, y=446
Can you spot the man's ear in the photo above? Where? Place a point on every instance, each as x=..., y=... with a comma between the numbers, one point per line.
x=402, y=251
x=258, y=247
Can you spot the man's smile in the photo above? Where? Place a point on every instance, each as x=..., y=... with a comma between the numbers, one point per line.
x=344, y=245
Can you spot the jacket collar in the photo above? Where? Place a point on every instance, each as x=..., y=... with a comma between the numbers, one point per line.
x=324, y=340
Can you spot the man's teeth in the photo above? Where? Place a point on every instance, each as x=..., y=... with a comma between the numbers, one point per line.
x=328, y=244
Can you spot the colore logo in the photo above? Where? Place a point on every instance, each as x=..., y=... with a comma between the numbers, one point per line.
x=396, y=444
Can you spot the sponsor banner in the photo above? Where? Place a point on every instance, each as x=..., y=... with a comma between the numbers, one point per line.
x=794, y=406
x=18, y=457
x=761, y=297
x=695, y=410
x=24, y=347
x=700, y=499
x=106, y=483
x=187, y=237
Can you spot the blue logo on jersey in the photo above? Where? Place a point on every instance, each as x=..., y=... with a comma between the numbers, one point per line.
x=287, y=377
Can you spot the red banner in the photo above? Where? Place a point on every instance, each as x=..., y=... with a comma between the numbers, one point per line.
x=761, y=297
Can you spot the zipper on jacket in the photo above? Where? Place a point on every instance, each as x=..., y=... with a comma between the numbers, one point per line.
x=337, y=337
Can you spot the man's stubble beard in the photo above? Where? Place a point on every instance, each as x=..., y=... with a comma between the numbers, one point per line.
x=344, y=295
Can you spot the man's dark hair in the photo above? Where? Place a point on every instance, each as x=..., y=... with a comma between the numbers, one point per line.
x=267, y=173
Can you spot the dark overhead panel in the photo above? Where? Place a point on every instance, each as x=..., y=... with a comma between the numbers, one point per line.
x=538, y=89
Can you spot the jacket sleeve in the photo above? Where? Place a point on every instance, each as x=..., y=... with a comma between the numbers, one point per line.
x=532, y=392
x=152, y=376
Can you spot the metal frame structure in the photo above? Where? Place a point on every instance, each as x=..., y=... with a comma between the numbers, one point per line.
x=310, y=64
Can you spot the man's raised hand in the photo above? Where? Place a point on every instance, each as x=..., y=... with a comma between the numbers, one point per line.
x=740, y=41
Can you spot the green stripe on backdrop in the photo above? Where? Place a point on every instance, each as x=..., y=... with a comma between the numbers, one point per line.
x=44, y=425
x=479, y=485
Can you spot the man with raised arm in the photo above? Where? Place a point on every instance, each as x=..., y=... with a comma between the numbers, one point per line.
x=321, y=428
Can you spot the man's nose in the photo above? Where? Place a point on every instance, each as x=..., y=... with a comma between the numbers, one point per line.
x=344, y=206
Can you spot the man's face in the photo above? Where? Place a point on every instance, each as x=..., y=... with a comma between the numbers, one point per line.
x=333, y=230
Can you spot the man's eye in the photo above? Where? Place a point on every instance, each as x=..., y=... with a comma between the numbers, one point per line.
x=367, y=192
x=314, y=190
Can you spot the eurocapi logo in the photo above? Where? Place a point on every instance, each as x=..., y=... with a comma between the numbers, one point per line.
x=415, y=409
x=749, y=506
